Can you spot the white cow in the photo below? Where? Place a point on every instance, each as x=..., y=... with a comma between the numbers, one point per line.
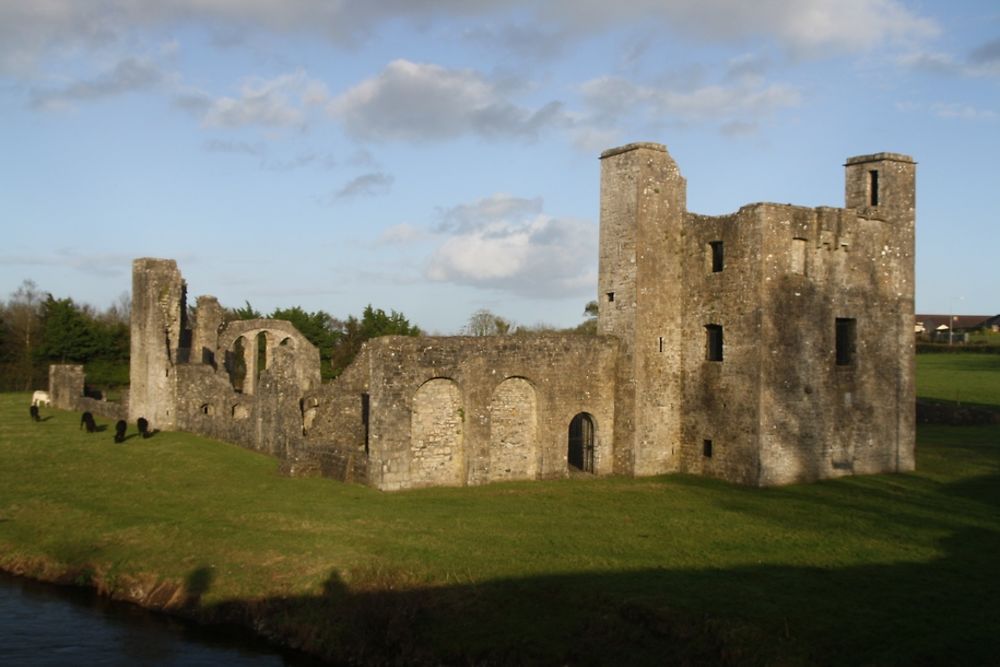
x=40, y=397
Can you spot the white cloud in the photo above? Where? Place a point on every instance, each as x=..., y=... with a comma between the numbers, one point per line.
x=962, y=112
x=29, y=28
x=982, y=61
x=470, y=217
x=504, y=243
x=402, y=234
x=423, y=102
x=279, y=102
x=611, y=98
x=128, y=75
x=367, y=185
x=100, y=264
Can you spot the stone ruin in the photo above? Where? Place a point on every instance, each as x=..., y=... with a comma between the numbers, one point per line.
x=769, y=346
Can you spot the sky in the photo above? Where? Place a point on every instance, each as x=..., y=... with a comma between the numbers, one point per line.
x=436, y=157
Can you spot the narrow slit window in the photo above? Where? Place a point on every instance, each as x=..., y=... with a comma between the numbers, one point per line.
x=846, y=336
x=661, y=343
x=706, y=449
x=716, y=257
x=713, y=342
x=365, y=416
x=873, y=187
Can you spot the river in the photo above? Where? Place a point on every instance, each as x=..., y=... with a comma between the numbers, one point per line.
x=41, y=624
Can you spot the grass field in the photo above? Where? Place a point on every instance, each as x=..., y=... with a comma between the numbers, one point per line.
x=963, y=378
x=890, y=569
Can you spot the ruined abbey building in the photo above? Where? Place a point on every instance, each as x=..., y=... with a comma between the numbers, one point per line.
x=769, y=346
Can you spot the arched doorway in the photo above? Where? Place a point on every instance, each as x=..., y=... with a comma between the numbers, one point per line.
x=580, y=455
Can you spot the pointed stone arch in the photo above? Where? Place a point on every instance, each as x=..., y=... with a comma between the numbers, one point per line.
x=513, y=430
x=437, y=431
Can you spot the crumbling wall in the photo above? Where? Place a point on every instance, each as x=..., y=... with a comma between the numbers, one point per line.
x=265, y=412
x=209, y=321
x=157, y=336
x=67, y=392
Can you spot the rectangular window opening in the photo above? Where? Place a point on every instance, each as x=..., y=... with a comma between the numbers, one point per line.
x=846, y=336
x=873, y=187
x=716, y=256
x=611, y=297
x=799, y=256
x=713, y=342
x=706, y=448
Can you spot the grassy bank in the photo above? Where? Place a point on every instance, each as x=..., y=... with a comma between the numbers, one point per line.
x=893, y=569
x=961, y=378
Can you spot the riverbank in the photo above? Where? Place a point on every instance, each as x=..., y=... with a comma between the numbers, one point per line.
x=891, y=569
x=46, y=624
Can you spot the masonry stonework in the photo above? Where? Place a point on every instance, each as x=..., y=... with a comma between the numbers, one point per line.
x=769, y=346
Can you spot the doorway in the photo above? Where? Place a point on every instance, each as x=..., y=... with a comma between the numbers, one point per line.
x=580, y=455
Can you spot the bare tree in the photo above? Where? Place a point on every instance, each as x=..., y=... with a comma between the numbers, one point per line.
x=484, y=323
x=23, y=316
x=120, y=309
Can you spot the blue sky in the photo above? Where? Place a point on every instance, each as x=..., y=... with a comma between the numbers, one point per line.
x=437, y=157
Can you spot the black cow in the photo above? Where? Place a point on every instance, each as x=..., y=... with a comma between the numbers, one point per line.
x=87, y=419
x=143, y=427
x=34, y=413
x=120, y=427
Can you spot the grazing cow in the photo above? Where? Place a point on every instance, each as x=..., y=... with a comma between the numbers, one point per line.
x=40, y=397
x=143, y=427
x=120, y=426
x=34, y=413
x=87, y=419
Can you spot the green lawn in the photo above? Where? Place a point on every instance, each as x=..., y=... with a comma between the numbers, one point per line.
x=965, y=378
x=889, y=569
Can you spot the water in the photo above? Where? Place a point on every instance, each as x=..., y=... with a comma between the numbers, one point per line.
x=49, y=625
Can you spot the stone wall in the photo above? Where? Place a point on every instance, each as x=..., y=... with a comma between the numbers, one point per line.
x=158, y=325
x=67, y=392
x=462, y=410
x=720, y=434
x=640, y=301
x=769, y=287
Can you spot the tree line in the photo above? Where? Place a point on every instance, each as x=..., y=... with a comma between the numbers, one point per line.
x=339, y=341
x=38, y=329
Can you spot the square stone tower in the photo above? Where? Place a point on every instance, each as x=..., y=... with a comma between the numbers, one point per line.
x=769, y=346
x=640, y=301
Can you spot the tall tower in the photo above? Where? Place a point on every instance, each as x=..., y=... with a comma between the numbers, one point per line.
x=882, y=187
x=158, y=320
x=641, y=283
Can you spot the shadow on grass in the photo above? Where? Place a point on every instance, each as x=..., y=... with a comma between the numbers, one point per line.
x=941, y=611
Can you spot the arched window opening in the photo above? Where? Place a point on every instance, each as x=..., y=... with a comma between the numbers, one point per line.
x=261, y=342
x=580, y=453
x=236, y=364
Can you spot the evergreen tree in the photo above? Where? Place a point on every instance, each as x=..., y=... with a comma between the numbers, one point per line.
x=374, y=322
x=67, y=333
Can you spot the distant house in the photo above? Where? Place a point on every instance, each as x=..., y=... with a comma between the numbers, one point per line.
x=953, y=328
x=990, y=324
